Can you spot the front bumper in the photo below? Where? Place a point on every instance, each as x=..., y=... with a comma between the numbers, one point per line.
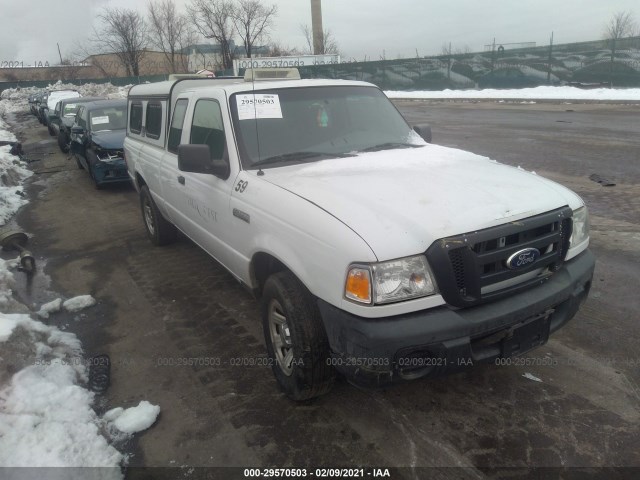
x=443, y=340
x=113, y=171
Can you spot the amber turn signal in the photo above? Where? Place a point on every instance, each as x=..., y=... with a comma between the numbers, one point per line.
x=358, y=286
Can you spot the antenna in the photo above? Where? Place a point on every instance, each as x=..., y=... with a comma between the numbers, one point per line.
x=255, y=119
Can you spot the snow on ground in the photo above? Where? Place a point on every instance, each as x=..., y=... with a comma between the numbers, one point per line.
x=46, y=418
x=537, y=93
x=12, y=173
x=46, y=415
x=17, y=100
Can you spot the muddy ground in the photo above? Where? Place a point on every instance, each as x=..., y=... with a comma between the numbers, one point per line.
x=158, y=306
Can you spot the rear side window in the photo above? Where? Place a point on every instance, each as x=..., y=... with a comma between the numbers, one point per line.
x=153, y=125
x=177, y=122
x=207, y=127
x=135, y=118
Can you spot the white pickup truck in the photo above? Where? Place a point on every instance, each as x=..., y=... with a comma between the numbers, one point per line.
x=375, y=253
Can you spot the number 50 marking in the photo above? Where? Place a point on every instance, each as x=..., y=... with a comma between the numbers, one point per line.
x=241, y=186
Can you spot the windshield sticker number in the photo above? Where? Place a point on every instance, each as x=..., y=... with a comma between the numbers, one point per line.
x=259, y=105
x=100, y=120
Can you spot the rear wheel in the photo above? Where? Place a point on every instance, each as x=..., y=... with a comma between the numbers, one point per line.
x=52, y=132
x=159, y=230
x=296, y=340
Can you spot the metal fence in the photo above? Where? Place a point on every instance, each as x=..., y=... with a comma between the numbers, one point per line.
x=581, y=63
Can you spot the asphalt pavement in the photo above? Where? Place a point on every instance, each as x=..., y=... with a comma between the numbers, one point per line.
x=182, y=333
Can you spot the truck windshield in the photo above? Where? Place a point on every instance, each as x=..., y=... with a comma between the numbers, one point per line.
x=295, y=125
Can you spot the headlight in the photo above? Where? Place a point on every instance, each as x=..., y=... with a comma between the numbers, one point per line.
x=580, y=231
x=388, y=282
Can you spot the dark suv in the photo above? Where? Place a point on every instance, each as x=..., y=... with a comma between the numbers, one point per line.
x=63, y=117
x=97, y=138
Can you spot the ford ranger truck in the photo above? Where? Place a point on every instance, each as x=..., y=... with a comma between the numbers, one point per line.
x=374, y=253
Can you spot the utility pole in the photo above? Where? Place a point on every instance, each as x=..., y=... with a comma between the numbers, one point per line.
x=493, y=54
x=316, y=27
x=549, y=61
x=60, y=54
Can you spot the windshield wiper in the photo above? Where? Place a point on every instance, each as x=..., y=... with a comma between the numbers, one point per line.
x=297, y=156
x=389, y=146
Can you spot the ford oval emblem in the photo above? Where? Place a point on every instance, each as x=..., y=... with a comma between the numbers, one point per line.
x=523, y=258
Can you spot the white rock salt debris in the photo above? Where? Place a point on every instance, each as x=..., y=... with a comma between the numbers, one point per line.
x=78, y=303
x=50, y=307
x=134, y=419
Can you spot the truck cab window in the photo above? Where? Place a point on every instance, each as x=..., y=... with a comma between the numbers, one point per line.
x=135, y=118
x=154, y=120
x=207, y=128
x=175, y=132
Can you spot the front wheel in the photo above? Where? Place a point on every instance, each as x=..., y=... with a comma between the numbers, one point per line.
x=159, y=230
x=296, y=340
x=63, y=142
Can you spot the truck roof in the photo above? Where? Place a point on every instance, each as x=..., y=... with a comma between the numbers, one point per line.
x=230, y=85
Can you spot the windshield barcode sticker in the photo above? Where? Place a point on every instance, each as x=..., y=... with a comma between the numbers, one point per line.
x=99, y=120
x=259, y=105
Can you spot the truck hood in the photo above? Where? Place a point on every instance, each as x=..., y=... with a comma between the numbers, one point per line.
x=401, y=201
x=109, y=139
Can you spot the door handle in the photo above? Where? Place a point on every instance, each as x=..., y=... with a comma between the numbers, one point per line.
x=181, y=180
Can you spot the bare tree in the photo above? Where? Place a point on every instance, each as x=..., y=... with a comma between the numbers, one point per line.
x=329, y=43
x=621, y=25
x=169, y=31
x=124, y=34
x=279, y=50
x=214, y=19
x=252, y=21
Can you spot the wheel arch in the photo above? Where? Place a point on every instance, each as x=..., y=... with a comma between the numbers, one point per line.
x=262, y=266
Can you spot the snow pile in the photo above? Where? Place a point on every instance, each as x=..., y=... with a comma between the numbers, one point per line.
x=133, y=419
x=12, y=173
x=76, y=304
x=17, y=100
x=46, y=418
x=537, y=93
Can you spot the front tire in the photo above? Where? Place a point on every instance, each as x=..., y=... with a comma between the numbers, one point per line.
x=296, y=340
x=63, y=142
x=159, y=230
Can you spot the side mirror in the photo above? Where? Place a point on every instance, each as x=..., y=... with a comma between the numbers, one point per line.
x=77, y=130
x=424, y=131
x=196, y=158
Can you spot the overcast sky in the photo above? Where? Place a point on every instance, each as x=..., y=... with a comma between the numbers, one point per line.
x=30, y=29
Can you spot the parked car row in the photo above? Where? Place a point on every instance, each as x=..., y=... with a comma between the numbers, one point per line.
x=90, y=129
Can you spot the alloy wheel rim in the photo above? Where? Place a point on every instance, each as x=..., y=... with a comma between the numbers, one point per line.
x=281, y=337
x=148, y=217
